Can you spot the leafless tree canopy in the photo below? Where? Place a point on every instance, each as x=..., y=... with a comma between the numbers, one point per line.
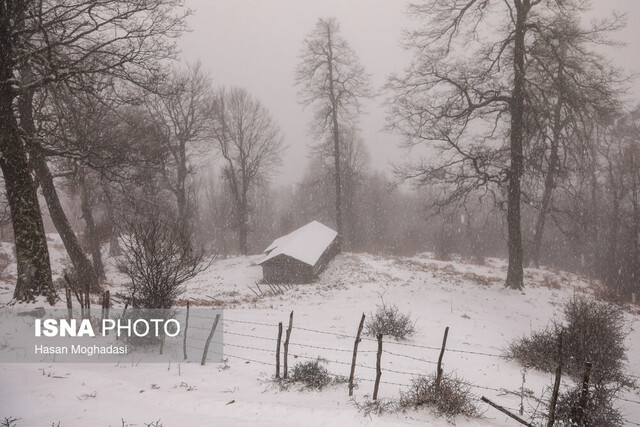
x=331, y=80
x=479, y=68
x=250, y=144
x=182, y=109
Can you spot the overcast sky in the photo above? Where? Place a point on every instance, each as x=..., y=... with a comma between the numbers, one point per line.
x=255, y=44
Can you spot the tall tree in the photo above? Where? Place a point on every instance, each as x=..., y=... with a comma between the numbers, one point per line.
x=250, y=144
x=38, y=153
x=182, y=106
x=332, y=80
x=469, y=107
x=48, y=41
x=572, y=86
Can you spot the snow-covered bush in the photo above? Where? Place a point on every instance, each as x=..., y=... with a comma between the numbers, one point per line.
x=312, y=375
x=388, y=320
x=452, y=398
x=592, y=330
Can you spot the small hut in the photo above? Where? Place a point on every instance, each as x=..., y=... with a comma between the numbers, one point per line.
x=299, y=256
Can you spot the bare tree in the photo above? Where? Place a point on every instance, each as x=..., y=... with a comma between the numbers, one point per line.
x=77, y=135
x=470, y=107
x=250, y=144
x=571, y=86
x=48, y=41
x=182, y=107
x=331, y=80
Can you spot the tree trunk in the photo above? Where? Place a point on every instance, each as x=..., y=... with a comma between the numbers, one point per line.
x=80, y=262
x=90, y=232
x=181, y=193
x=32, y=254
x=243, y=230
x=336, y=141
x=611, y=271
x=38, y=163
x=550, y=179
x=515, y=272
x=593, y=226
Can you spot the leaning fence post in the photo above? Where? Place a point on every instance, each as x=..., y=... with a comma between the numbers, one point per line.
x=506, y=412
x=286, y=345
x=556, y=385
x=378, y=369
x=584, y=394
x=278, y=350
x=355, y=352
x=206, y=345
x=184, y=339
x=439, y=371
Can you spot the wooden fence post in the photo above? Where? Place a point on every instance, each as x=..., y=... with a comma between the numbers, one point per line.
x=355, y=352
x=439, y=371
x=184, y=339
x=584, y=394
x=506, y=411
x=286, y=346
x=206, y=345
x=378, y=369
x=556, y=385
x=278, y=350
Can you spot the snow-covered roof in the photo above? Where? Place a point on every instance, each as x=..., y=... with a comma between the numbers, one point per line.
x=306, y=244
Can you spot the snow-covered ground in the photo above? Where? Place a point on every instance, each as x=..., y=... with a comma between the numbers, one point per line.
x=482, y=315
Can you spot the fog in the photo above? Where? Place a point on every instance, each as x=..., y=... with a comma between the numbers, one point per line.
x=255, y=44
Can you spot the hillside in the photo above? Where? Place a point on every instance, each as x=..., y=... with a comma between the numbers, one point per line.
x=483, y=317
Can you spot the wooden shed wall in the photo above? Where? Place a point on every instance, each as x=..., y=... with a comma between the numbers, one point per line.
x=284, y=269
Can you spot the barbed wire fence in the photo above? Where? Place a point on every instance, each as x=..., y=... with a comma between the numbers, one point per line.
x=331, y=356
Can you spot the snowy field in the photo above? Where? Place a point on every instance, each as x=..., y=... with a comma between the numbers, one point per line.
x=482, y=315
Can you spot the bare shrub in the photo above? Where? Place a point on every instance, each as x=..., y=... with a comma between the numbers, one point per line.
x=388, y=320
x=312, y=375
x=158, y=259
x=451, y=399
x=600, y=409
x=592, y=330
x=378, y=407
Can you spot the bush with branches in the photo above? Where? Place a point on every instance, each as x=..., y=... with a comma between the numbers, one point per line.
x=158, y=259
x=388, y=320
x=600, y=409
x=451, y=398
x=592, y=330
x=312, y=375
